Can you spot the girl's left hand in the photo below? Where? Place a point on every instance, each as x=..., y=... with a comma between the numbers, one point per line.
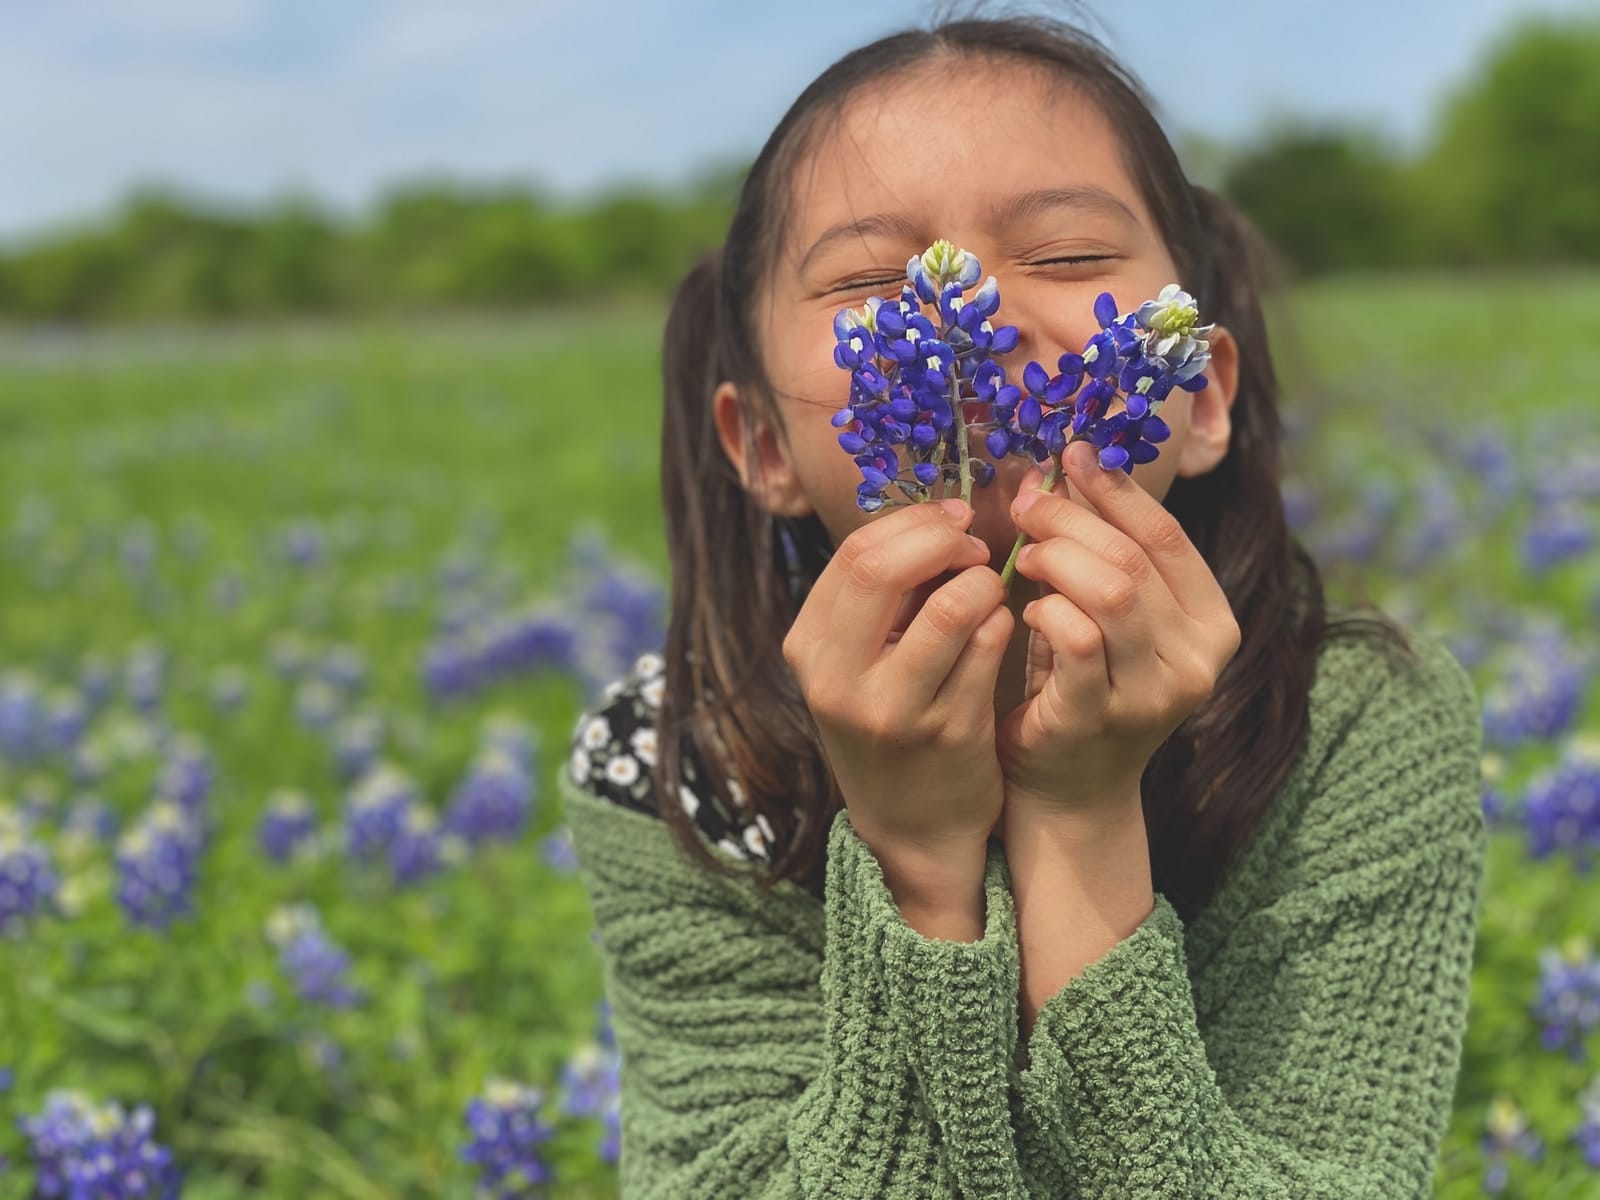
x=1137, y=628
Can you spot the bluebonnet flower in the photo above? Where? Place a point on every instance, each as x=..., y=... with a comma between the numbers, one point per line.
x=145, y=676
x=1568, y=1004
x=309, y=957
x=915, y=375
x=21, y=719
x=558, y=851
x=316, y=704
x=1506, y=1133
x=357, y=743
x=1556, y=533
x=66, y=717
x=287, y=824
x=1561, y=809
x=1437, y=525
x=589, y=1077
x=421, y=846
x=186, y=777
x=494, y=801
x=302, y=543
x=375, y=809
x=96, y=679
x=1587, y=1134
x=507, y=1136
x=28, y=881
x=157, y=866
x=510, y=733
x=88, y=1151
x=1539, y=697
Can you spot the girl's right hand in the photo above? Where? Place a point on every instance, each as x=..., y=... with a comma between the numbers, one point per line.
x=908, y=727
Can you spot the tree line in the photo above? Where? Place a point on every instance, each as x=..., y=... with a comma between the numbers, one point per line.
x=1510, y=175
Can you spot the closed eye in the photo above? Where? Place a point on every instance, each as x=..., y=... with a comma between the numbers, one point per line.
x=869, y=283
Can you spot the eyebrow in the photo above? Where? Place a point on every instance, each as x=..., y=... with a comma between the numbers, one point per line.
x=1009, y=211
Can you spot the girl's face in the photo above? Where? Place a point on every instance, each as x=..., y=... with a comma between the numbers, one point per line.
x=1025, y=176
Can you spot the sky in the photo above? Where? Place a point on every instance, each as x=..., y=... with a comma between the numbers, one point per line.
x=239, y=101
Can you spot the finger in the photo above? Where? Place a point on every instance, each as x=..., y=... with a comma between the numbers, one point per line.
x=976, y=672
x=937, y=635
x=1123, y=504
x=1080, y=678
x=876, y=565
x=1099, y=589
x=1051, y=519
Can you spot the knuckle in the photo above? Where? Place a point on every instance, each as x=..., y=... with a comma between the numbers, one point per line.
x=1128, y=558
x=868, y=568
x=1163, y=533
x=946, y=610
x=1118, y=595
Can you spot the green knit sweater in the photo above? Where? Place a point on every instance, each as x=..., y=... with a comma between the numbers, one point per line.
x=1301, y=1037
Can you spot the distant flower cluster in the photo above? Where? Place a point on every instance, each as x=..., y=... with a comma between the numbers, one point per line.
x=914, y=375
x=1568, y=1004
x=28, y=880
x=309, y=958
x=88, y=1151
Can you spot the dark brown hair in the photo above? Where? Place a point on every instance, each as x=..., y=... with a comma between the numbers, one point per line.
x=740, y=575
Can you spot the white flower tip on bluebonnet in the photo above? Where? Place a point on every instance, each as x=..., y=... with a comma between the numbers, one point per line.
x=846, y=320
x=945, y=262
x=1504, y=1120
x=288, y=922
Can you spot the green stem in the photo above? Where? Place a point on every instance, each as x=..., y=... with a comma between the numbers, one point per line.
x=1011, y=563
x=963, y=452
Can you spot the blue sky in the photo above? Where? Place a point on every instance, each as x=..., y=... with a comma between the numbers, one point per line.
x=244, y=99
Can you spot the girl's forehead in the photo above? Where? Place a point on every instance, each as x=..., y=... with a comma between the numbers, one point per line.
x=890, y=151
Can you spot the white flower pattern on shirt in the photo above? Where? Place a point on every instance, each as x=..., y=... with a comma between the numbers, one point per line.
x=614, y=749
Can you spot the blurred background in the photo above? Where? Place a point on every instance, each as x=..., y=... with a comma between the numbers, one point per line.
x=309, y=562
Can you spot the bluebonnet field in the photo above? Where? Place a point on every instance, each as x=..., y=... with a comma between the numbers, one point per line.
x=294, y=628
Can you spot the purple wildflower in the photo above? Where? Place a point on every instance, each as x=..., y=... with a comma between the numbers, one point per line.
x=28, y=882
x=310, y=958
x=494, y=801
x=287, y=823
x=1568, y=1004
x=157, y=866
x=89, y=1151
x=375, y=808
x=1587, y=1134
x=1561, y=810
x=507, y=1136
x=1506, y=1133
x=589, y=1077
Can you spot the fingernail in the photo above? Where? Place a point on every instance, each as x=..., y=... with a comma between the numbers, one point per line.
x=956, y=508
x=1026, y=500
x=1080, y=454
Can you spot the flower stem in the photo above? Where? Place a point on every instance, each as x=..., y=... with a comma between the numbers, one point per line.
x=963, y=451
x=1011, y=563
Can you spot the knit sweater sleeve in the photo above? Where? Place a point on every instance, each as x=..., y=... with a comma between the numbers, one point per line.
x=769, y=1050
x=1320, y=1058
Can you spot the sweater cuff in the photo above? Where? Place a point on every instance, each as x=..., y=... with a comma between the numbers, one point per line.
x=1113, y=1056
x=951, y=1004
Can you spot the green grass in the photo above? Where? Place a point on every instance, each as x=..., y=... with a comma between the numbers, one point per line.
x=416, y=443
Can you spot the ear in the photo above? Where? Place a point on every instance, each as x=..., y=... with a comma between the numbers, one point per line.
x=768, y=474
x=1210, y=421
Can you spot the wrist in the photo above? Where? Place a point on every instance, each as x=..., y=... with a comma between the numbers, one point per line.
x=939, y=890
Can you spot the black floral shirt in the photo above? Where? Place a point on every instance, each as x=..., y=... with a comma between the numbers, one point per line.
x=614, y=749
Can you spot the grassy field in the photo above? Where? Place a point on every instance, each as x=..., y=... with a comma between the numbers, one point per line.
x=254, y=550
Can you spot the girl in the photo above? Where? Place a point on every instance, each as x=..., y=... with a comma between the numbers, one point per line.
x=1149, y=880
